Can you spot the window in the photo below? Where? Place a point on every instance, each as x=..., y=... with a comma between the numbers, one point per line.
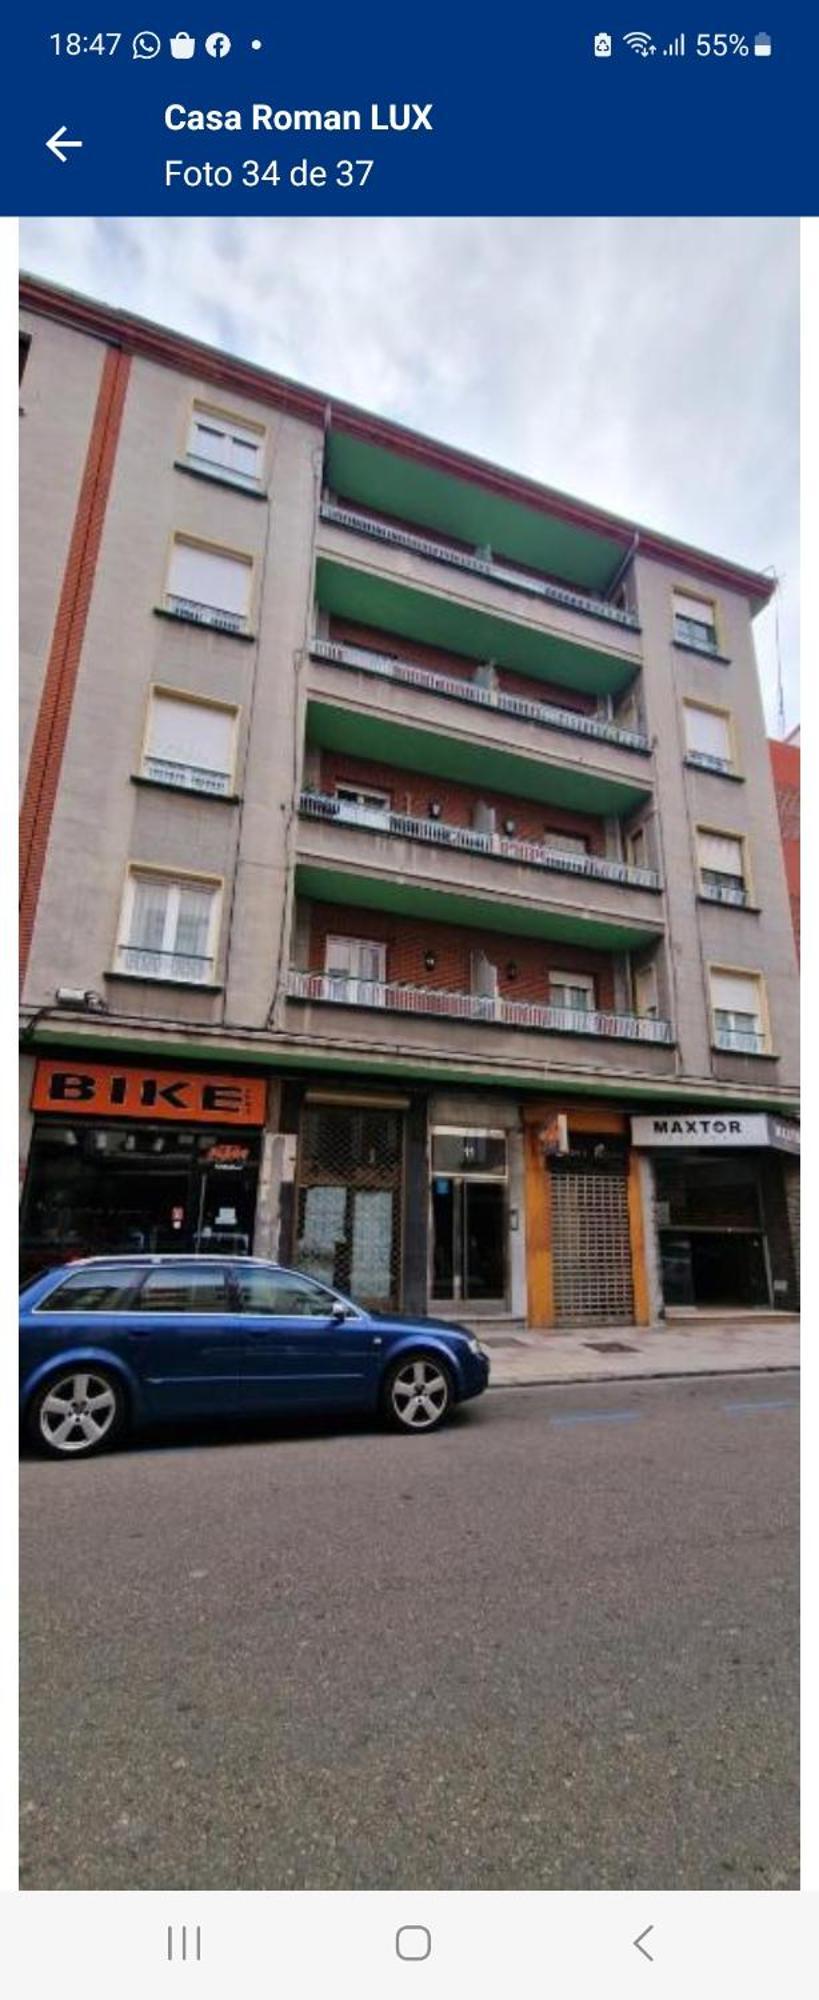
x=363, y=808
x=190, y=743
x=695, y=622
x=184, y=1288
x=739, y=1022
x=468, y=1152
x=283, y=1293
x=169, y=928
x=637, y=848
x=209, y=585
x=356, y=970
x=565, y=843
x=218, y=443
x=573, y=991
x=722, y=866
x=93, y=1291
x=646, y=1002
x=708, y=737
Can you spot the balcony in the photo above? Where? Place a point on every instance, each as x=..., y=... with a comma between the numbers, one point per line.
x=389, y=667
x=187, y=968
x=477, y=565
x=494, y=846
x=492, y=1011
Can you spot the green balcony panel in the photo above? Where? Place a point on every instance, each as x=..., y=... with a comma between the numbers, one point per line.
x=392, y=483
x=404, y=898
x=436, y=620
x=385, y=741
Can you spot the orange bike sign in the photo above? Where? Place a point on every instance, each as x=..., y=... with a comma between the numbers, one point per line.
x=111, y=1090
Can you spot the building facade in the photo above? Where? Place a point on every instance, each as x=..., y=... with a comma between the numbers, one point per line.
x=402, y=893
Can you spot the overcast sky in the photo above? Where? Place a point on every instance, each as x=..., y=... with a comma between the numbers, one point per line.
x=648, y=366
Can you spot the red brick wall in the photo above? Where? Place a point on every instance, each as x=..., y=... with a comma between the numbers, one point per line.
x=407, y=943
x=785, y=763
x=442, y=662
x=411, y=792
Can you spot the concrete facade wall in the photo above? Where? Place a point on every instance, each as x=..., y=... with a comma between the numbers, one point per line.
x=700, y=933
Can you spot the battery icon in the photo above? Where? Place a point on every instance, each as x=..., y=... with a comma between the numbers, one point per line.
x=763, y=45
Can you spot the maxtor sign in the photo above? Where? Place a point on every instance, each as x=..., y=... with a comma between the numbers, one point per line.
x=681, y=1129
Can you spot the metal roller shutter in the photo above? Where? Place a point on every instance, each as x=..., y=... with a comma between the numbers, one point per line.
x=591, y=1247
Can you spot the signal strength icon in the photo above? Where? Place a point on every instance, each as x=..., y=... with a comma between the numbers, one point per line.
x=675, y=48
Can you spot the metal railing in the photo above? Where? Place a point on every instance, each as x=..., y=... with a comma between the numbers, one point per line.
x=740, y=1041
x=478, y=565
x=345, y=991
x=190, y=967
x=188, y=777
x=707, y=761
x=389, y=667
x=716, y=892
x=495, y=846
x=205, y=614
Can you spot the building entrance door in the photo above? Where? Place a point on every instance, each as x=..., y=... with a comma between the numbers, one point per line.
x=469, y=1216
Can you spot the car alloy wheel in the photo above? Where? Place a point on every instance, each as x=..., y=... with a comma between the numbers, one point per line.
x=78, y=1413
x=419, y=1394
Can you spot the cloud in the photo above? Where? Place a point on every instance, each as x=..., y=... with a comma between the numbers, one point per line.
x=648, y=365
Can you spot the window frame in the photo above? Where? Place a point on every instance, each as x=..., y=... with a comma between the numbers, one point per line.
x=225, y=421
x=741, y=839
x=697, y=597
x=730, y=770
x=763, y=1012
x=245, y=627
x=175, y=878
x=584, y=982
x=167, y=693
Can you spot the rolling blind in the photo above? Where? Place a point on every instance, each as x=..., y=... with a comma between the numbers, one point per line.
x=205, y=576
x=721, y=853
x=707, y=732
x=693, y=607
x=188, y=732
x=735, y=992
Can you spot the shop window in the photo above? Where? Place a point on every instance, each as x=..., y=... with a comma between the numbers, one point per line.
x=708, y=739
x=573, y=991
x=190, y=743
x=169, y=928
x=722, y=866
x=184, y=1288
x=209, y=585
x=738, y=1009
x=94, y=1291
x=283, y=1295
x=695, y=622
x=220, y=444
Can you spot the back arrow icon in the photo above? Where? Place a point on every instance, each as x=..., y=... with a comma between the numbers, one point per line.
x=638, y=1942
x=58, y=140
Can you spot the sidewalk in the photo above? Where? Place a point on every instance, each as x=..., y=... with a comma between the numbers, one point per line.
x=620, y=1353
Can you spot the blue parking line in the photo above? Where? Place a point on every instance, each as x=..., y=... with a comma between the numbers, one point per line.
x=740, y=1409
x=597, y=1417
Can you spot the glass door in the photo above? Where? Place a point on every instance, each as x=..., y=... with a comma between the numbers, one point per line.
x=469, y=1221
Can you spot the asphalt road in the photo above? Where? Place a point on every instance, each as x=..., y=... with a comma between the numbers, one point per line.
x=554, y=1646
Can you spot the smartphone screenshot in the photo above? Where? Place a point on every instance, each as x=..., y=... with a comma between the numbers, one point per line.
x=416, y=426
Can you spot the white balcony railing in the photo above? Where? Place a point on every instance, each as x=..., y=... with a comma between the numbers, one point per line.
x=342, y=990
x=188, y=967
x=740, y=1041
x=495, y=846
x=205, y=614
x=706, y=760
x=423, y=545
x=724, y=892
x=188, y=777
x=542, y=713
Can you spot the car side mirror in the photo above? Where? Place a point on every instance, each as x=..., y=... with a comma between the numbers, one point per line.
x=338, y=1310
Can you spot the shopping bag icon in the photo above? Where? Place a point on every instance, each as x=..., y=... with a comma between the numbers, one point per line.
x=182, y=46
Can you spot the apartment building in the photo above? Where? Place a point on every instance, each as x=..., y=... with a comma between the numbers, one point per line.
x=402, y=890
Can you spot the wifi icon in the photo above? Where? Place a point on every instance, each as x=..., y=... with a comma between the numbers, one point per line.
x=641, y=43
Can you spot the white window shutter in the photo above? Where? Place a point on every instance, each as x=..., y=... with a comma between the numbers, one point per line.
x=189, y=732
x=735, y=992
x=205, y=576
x=721, y=853
x=707, y=732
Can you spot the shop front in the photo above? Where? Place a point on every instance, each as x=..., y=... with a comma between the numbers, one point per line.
x=722, y=1208
x=126, y=1159
x=584, y=1231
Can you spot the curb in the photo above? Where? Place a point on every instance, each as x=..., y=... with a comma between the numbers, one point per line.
x=648, y=1375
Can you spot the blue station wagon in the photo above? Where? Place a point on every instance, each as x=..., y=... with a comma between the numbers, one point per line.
x=113, y=1343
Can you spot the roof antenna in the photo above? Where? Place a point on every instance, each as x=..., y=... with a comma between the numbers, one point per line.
x=780, y=686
